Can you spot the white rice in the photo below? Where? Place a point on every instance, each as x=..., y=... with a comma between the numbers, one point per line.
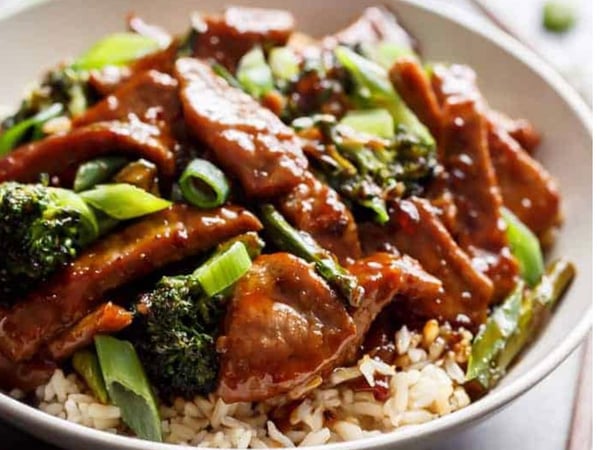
x=425, y=382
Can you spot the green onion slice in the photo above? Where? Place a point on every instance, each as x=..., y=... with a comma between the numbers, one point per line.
x=96, y=171
x=123, y=201
x=284, y=63
x=525, y=246
x=70, y=200
x=128, y=386
x=377, y=122
x=10, y=138
x=223, y=269
x=116, y=50
x=254, y=74
x=385, y=53
x=203, y=184
x=87, y=366
x=375, y=90
x=222, y=71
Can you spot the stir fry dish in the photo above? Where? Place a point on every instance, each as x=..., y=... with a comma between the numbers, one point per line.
x=244, y=236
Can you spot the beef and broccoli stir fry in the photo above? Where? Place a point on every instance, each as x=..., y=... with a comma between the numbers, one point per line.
x=242, y=209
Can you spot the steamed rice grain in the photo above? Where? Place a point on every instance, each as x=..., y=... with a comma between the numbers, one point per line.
x=425, y=383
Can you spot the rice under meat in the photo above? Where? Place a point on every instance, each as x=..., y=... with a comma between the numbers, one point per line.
x=425, y=384
x=268, y=241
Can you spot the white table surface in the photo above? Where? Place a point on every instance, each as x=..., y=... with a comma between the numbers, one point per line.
x=539, y=420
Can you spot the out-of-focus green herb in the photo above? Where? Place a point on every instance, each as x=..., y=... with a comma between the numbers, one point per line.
x=11, y=137
x=385, y=53
x=222, y=71
x=96, y=171
x=377, y=122
x=116, y=50
x=254, y=74
x=559, y=16
x=284, y=63
x=525, y=246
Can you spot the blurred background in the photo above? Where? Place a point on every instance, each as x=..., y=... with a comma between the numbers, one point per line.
x=560, y=31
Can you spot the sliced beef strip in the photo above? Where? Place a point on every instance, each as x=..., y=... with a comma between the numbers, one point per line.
x=107, y=80
x=521, y=130
x=252, y=144
x=386, y=277
x=416, y=230
x=471, y=178
x=412, y=83
x=314, y=207
x=122, y=257
x=107, y=318
x=26, y=375
x=526, y=187
x=415, y=88
x=464, y=153
x=57, y=155
x=150, y=95
x=284, y=326
x=226, y=38
x=248, y=140
x=374, y=25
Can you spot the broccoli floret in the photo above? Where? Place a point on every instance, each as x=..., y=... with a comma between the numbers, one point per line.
x=41, y=229
x=178, y=322
x=177, y=338
x=64, y=86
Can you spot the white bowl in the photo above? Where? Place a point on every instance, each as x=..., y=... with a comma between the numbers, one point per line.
x=513, y=79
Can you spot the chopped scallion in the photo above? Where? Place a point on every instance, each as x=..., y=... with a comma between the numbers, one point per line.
x=128, y=386
x=385, y=53
x=525, y=246
x=254, y=74
x=96, y=171
x=224, y=269
x=284, y=63
x=87, y=366
x=123, y=201
x=203, y=184
x=116, y=50
x=10, y=138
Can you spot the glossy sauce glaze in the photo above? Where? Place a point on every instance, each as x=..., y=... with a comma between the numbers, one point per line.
x=133, y=138
x=122, y=257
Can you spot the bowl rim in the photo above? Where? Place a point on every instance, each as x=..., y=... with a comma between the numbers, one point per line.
x=21, y=413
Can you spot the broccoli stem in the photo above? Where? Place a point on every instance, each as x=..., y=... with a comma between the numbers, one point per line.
x=513, y=325
x=536, y=307
x=490, y=341
x=303, y=245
